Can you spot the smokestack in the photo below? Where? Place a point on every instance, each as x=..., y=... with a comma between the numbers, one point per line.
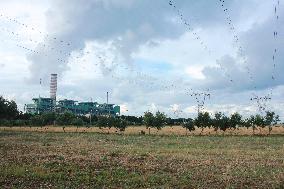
x=107, y=97
x=53, y=86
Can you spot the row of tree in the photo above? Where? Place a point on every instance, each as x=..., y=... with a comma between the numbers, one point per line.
x=10, y=116
x=222, y=122
x=65, y=119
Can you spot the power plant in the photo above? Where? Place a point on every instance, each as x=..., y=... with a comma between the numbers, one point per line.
x=41, y=105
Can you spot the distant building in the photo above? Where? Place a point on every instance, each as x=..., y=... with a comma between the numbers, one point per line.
x=42, y=105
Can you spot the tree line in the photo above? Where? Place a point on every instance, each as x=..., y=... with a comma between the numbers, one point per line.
x=222, y=122
x=11, y=116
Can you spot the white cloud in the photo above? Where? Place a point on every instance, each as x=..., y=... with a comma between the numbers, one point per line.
x=121, y=34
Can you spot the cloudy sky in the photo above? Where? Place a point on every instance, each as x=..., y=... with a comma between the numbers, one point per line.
x=150, y=55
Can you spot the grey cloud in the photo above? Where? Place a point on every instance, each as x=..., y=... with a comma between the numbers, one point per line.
x=258, y=44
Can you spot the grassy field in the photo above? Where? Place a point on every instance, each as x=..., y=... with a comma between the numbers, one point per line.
x=94, y=160
x=175, y=130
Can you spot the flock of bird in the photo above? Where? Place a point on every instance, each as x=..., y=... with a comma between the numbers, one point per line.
x=197, y=37
x=200, y=98
x=236, y=38
x=261, y=101
x=63, y=50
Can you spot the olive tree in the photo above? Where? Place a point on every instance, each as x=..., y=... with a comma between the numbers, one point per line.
x=189, y=125
x=202, y=121
x=157, y=121
x=235, y=120
x=270, y=120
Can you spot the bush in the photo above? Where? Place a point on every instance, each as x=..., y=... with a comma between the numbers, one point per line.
x=203, y=120
x=189, y=125
x=5, y=122
x=8, y=109
x=158, y=121
x=119, y=124
x=48, y=118
x=37, y=120
x=65, y=119
x=103, y=122
x=20, y=123
x=77, y=122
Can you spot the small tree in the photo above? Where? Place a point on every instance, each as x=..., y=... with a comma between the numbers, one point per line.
x=221, y=121
x=259, y=121
x=249, y=122
x=158, y=121
x=189, y=125
x=104, y=122
x=65, y=118
x=270, y=120
x=8, y=109
x=149, y=120
x=235, y=120
x=202, y=121
x=37, y=120
x=77, y=122
x=120, y=124
x=252, y=122
x=216, y=121
x=48, y=118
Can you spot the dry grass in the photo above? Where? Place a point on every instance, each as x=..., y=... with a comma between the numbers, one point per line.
x=175, y=130
x=93, y=160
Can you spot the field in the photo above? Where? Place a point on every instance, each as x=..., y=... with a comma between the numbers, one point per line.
x=95, y=160
x=175, y=130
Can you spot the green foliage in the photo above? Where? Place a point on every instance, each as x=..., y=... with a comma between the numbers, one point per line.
x=271, y=119
x=158, y=121
x=217, y=120
x=249, y=122
x=221, y=121
x=132, y=120
x=149, y=119
x=37, y=120
x=77, y=122
x=5, y=122
x=189, y=125
x=235, y=120
x=10, y=116
x=8, y=109
x=48, y=118
x=119, y=124
x=259, y=121
x=203, y=120
x=65, y=119
x=103, y=122
x=19, y=123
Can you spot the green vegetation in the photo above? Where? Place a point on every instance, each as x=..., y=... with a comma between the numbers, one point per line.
x=157, y=121
x=88, y=160
x=10, y=116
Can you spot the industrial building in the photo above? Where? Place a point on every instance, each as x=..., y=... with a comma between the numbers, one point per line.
x=41, y=105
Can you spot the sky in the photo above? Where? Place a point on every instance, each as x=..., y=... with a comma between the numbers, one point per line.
x=149, y=55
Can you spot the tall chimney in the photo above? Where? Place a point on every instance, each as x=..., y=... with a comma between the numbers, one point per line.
x=53, y=86
x=107, y=97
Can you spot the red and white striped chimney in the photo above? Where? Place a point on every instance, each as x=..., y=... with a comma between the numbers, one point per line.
x=53, y=86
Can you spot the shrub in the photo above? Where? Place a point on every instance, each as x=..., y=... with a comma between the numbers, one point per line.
x=189, y=125
x=37, y=120
x=65, y=118
x=77, y=122
x=158, y=121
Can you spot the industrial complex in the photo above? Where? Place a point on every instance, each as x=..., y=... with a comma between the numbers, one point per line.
x=41, y=105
